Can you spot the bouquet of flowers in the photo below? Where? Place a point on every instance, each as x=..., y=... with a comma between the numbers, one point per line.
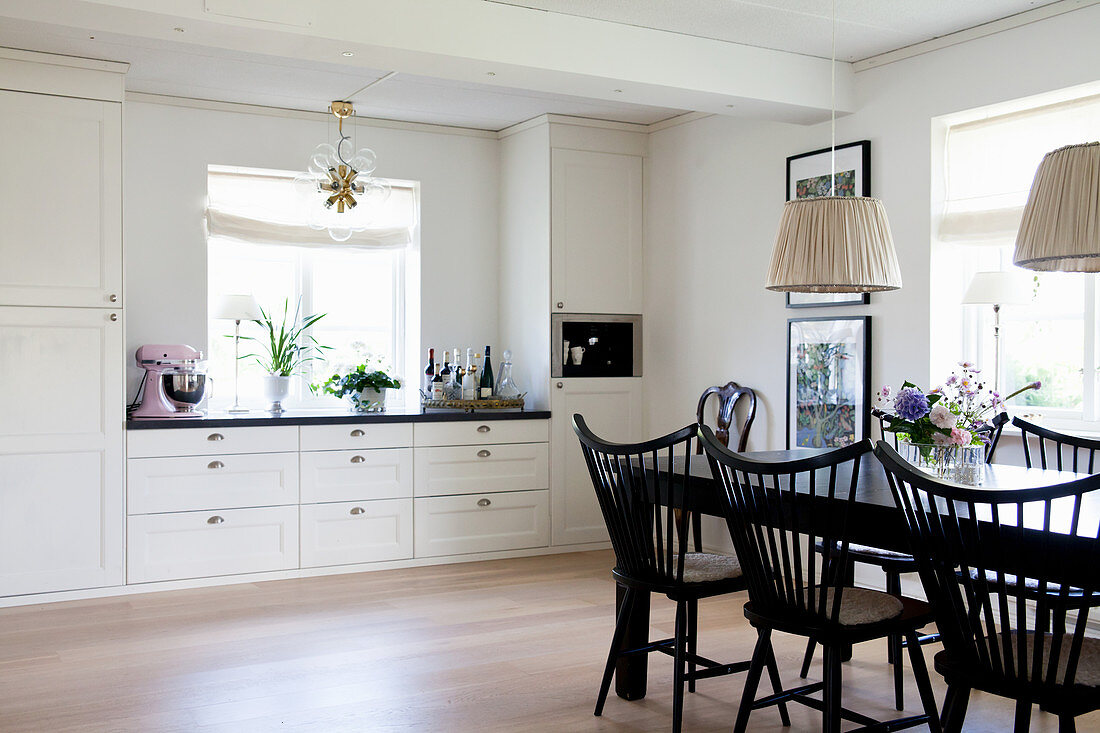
x=952, y=414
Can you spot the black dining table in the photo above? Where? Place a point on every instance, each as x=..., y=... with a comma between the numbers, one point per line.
x=873, y=519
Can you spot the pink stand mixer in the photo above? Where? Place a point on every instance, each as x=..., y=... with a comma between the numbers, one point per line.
x=175, y=381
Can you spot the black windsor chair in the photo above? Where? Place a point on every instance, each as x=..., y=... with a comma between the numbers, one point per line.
x=650, y=536
x=1022, y=640
x=1080, y=452
x=776, y=511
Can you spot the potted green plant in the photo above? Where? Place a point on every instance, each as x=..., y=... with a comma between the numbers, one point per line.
x=363, y=386
x=283, y=349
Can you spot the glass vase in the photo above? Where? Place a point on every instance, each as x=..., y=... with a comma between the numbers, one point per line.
x=962, y=464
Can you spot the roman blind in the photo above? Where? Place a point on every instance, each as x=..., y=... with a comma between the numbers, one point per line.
x=990, y=164
x=263, y=207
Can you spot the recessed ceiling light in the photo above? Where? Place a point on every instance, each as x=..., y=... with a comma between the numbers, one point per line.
x=348, y=53
x=490, y=73
x=91, y=38
x=177, y=29
x=729, y=105
x=617, y=91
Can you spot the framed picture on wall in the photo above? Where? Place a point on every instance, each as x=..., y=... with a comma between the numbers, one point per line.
x=828, y=381
x=808, y=176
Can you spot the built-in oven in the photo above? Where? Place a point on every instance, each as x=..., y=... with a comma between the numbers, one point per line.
x=595, y=345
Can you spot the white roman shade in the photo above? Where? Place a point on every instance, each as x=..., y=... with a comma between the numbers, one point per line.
x=990, y=164
x=263, y=207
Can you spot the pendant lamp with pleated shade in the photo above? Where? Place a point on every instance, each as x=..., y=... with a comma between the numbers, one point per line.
x=1060, y=228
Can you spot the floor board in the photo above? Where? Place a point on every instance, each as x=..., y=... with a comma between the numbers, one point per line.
x=507, y=645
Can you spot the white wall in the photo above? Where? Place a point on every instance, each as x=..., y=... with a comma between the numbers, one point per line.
x=715, y=193
x=167, y=150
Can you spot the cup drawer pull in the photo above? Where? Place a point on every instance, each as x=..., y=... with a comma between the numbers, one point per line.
x=357, y=433
x=215, y=520
x=483, y=428
x=357, y=510
x=215, y=464
x=483, y=454
x=214, y=437
x=483, y=502
x=357, y=459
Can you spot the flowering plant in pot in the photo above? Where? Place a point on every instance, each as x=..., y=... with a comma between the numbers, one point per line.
x=364, y=386
x=283, y=349
x=948, y=426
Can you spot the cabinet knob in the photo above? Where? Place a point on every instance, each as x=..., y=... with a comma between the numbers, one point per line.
x=215, y=437
x=560, y=305
x=559, y=385
x=483, y=502
x=483, y=428
x=357, y=510
x=113, y=298
x=215, y=464
x=357, y=433
x=113, y=316
x=483, y=454
x=215, y=520
x=357, y=459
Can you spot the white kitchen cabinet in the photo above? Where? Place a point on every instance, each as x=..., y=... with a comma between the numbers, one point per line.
x=469, y=469
x=454, y=525
x=61, y=449
x=356, y=532
x=155, y=485
x=595, y=232
x=357, y=475
x=612, y=408
x=60, y=201
x=480, y=432
x=356, y=436
x=204, y=441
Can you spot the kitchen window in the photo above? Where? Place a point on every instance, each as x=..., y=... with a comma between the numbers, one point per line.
x=989, y=163
x=367, y=287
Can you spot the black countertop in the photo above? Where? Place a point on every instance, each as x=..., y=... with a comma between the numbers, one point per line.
x=258, y=418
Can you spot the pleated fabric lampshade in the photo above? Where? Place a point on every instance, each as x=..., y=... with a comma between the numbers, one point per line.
x=1060, y=229
x=834, y=244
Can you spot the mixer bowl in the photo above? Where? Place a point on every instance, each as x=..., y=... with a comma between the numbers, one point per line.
x=186, y=388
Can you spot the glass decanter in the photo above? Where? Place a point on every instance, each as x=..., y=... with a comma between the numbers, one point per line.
x=506, y=387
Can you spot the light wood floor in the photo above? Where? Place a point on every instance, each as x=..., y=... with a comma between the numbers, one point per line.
x=508, y=645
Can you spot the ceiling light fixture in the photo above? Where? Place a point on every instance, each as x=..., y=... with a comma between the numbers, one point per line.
x=348, y=53
x=1060, y=228
x=340, y=177
x=490, y=73
x=834, y=244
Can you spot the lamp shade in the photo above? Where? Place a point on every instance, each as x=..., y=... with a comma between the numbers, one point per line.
x=834, y=244
x=1060, y=229
x=998, y=288
x=236, y=308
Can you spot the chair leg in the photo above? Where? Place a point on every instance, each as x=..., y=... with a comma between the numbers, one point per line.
x=1023, y=716
x=833, y=669
x=893, y=587
x=1067, y=723
x=893, y=643
x=806, y=660
x=752, y=681
x=920, y=674
x=692, y=638
x=678, y=672
x=613, y=654
x=954, y=708
x=777, y=685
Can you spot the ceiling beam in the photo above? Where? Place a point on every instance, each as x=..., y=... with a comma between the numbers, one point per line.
x=483, y=43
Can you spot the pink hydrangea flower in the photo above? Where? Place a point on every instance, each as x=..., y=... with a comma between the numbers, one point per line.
x=942, y=417
x=941, y=439
x=961, y=437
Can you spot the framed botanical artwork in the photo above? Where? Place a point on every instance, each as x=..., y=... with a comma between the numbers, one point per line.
x=808, y=176
x=828, y=381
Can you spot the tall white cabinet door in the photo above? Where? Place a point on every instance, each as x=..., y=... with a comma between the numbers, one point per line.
x=60, y=201
x=596, y=232
x=61, y=449
x=613, y=410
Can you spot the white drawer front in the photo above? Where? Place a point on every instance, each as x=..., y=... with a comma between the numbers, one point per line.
x=195, y=544
x=361, y=475
x=361, y=436
x=200, y=441
x=473, y=469
x=478, y=432
x=451, y=525
x=352, y=532
x=194, y=483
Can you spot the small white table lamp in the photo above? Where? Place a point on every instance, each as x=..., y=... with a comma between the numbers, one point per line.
x=237, y=308
x=997, y=289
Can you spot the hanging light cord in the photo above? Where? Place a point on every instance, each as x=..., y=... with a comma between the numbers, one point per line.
x=832, y=106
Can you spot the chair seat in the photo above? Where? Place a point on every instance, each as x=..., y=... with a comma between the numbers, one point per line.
x=860, y=606
x=705, y=567
x=857, y=551
x=1031, y=584
x=1088, y=664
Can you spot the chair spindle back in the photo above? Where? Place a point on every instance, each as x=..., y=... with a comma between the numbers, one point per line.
x=1080, y=451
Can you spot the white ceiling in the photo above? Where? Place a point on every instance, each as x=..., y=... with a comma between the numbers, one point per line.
x=865, y=28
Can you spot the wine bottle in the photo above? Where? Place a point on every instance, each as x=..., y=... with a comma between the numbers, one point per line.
x=445, y=374
x=485, y=386
x=429, y=373
x=457, y=369
x=437, y=384
x=469, y=382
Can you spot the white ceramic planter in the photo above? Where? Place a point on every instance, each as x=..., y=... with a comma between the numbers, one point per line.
x=276, y=389
x=367, y=400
